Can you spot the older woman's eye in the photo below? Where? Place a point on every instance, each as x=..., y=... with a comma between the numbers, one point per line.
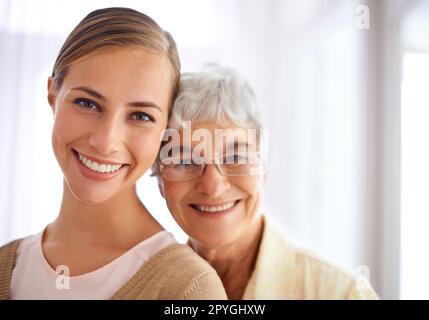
x=141, y=116
x=87, y=104
x=234, y=159
x=183, y=163
x=180, y=164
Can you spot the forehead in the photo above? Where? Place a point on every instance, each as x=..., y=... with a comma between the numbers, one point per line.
x=127, y=73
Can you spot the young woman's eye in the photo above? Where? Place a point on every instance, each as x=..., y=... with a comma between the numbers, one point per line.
x=86, y=104
x=141, y=116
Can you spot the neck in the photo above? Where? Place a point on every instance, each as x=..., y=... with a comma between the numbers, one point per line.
x=234, y=262
x=121, y=222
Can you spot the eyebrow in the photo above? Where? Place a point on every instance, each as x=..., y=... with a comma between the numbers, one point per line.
x=95, y=94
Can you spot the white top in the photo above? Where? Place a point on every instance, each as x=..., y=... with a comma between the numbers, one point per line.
x=34, y=278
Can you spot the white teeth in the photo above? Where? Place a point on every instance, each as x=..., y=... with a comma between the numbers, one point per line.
x=99, y=167
x=94, y=166
x=224, y=207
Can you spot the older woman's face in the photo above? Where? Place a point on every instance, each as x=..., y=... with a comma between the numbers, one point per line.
x=214, y=209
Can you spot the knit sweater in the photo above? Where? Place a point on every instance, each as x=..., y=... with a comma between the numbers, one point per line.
x=174, y=273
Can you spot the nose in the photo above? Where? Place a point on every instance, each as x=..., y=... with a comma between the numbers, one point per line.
x=212, y=182
x=106, y=136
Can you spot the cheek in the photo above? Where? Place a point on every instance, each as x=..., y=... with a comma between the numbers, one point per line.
x=174, y=193
x=67, y=126
x=145, y=145
x=250, y=185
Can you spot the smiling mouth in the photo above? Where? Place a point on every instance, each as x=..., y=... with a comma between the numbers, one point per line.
x=215, y=208
x=97, y=166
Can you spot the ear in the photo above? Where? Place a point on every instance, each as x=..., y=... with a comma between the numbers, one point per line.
x=52, y=93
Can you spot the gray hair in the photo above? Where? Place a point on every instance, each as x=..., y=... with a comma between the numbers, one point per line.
x=215, y=94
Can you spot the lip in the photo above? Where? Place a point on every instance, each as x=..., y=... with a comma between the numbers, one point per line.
x=98, y=160
x=97, y=176
x=214, y=215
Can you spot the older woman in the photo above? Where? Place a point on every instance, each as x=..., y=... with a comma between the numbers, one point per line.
x=211, y=171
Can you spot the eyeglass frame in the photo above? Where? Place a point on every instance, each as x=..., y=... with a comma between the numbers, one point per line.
x=218, y=165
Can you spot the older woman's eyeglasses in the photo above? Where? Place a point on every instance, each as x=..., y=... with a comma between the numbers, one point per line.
x=231, y=165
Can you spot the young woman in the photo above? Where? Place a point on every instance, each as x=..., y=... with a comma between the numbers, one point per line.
x=111, y=90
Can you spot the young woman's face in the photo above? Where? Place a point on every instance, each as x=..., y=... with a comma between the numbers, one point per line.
x=110, y=112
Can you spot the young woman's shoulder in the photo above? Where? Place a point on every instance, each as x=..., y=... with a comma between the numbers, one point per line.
x=8, y=253
x=174, y=273
x=7, y=262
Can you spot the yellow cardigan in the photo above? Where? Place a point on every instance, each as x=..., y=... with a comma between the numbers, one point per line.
x=285, y=272
x=174, y=273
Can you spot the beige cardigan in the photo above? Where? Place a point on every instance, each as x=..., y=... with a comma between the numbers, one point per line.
x=174, y=273
x=285, y=272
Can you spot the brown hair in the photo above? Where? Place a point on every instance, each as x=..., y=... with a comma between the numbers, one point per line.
x=116, y=27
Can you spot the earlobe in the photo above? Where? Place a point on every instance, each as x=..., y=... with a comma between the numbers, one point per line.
x=51, y=94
